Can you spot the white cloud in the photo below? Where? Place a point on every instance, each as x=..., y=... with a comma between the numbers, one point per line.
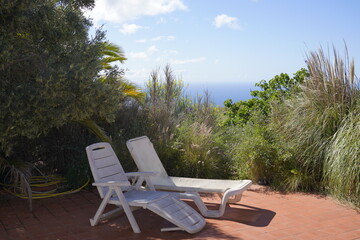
x=193, y=60
x=128, y=29
x=144, y=55
x=141, y=41
x=161, y=20
x=165, y=57
x=139, y=55
x=168, y=38
x=172, y=51
x=152, y=50
x=120, y=11
x=225, y=20
x=156, y=38
x=138, y=73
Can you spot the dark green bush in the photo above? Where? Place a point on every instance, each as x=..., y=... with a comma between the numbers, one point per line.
x=61, y=151
x=277, y=89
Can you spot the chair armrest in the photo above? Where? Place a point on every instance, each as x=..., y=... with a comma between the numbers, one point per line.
x=112, y=184
x=140, y=177
x=140, y=174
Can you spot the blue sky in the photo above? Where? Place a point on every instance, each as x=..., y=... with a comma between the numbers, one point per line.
x=227, y=42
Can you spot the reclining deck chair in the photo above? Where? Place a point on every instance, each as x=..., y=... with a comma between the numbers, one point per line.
x=146, y=159
x=114, y=188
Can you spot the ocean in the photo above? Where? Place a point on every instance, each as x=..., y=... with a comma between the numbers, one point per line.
x=220, y=92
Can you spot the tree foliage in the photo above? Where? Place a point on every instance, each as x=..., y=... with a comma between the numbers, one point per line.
x=50, y=69
x=279, y=88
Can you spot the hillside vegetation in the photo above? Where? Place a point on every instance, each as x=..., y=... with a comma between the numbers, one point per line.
x=61, y=91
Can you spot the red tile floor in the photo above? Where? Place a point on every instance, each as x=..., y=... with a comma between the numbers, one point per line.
x=261, y=214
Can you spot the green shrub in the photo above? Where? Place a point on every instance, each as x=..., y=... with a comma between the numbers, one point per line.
x=201, y=155
x=277, y=89
x=255, y=150
x=234, y=139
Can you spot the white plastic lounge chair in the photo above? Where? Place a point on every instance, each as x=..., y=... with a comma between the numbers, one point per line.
x=146, y=159
x=114, y=188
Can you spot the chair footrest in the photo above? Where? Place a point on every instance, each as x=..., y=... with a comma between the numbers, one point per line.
x=178, y=213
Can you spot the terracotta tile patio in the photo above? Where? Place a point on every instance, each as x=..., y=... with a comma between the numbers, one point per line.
x=261, y=214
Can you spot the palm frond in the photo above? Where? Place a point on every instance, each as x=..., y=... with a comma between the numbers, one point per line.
x=18, y=173
x=112, y=53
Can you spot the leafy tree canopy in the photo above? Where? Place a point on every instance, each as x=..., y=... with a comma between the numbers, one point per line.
x=279, y=88
x=50, y=68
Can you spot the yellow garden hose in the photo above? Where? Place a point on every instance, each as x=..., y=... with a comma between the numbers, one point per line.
x=38, y=182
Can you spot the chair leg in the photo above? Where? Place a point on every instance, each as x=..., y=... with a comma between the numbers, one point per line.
x=195, y=196
x=112, y=213
x=127, y=211
x=95, y=220
x=233, y=199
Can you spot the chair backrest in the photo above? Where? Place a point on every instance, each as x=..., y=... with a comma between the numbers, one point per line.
x=145, y=156
x=104, y=164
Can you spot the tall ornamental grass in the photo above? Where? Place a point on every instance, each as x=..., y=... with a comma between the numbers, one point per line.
x=342, y=165
x=200, y=143
x=165, y=102
x=309, y=121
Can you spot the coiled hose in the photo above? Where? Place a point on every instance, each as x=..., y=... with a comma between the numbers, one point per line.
x=43, y=187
